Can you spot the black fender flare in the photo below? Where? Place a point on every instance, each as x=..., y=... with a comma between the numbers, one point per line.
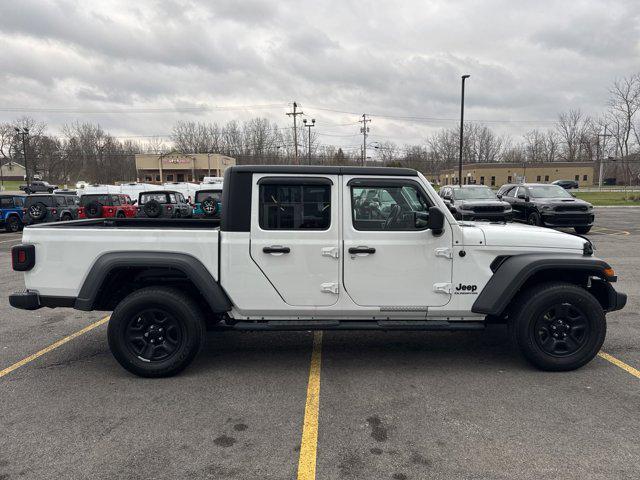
x=192, y=267
x=513, y=272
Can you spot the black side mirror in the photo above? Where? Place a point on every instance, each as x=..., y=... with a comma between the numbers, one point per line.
x=499, y=195
x=436, y=220
x=524, y=197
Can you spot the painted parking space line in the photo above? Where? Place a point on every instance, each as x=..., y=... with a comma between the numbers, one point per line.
x=309, y=443
x=609, y=231
x=53, y=346
x=12, y=240
x=619, y=363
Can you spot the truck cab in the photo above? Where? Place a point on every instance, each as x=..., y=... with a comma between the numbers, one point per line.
x=320, y=248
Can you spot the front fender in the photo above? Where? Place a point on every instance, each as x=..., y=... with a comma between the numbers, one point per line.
x=513, y=272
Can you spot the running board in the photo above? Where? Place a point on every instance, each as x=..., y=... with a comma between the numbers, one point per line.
x=280, y=325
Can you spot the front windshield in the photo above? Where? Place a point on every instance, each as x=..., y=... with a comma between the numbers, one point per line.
x=548, y=191
x=476, y=193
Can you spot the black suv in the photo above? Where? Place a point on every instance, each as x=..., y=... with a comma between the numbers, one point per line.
x=163, y=204
x=41, y=208
x=566, y=184
x=548, y=206
x=475, y=202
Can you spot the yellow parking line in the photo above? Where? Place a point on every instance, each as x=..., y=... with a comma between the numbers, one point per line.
x=619, y=363
x=14, y=240
x=51, y=347
x=309, y=444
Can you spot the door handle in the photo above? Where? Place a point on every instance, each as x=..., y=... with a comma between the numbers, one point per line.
x=356, y=250
x=276, y=249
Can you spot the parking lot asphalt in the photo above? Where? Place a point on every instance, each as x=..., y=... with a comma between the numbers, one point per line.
x=391, y=405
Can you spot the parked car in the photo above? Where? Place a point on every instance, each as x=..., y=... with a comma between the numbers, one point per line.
x=208, y=203
x=43, y=208
x=163, y=204
x=475, y=202
x=11, y=212
x=38, y=186
x=549, y=205
x=106, y=206
x=292, y=253
x=566, y=184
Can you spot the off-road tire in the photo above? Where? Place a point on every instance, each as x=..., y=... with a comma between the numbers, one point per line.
x=66, y=217
x=152, y=209
x=93, y=210
x=13, y=224
x=121, y=214
x=582, y=230
x=179, y=307
x=42, y=210
x=528, y=313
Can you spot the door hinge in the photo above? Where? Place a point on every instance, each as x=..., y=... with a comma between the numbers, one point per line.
x=442, y=288
x=333, y=252
x=329, y=288
x=445, y=252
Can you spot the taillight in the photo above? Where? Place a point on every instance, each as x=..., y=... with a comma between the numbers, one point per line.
x=23, y=257
x=169, y=207
x=24, y=211
x=110, y=210
x=54, y=211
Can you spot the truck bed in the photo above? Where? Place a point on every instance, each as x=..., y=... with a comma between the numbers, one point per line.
x=66, y=251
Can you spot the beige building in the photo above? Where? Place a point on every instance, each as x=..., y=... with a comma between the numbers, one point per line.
x=12, y=171
x=497, y=174
x=178, y=167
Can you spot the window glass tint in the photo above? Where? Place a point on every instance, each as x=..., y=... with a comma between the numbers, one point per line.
x=19, y=201
x=172, y=198
x=511, y=193
x=295, y=207
x=548, y=191
x=87, y=199
x=158, y=197
x=60, y=201
x=200, y=196
x=115, y=199
x=6, y=202
x=386, y=208
x=46, y=200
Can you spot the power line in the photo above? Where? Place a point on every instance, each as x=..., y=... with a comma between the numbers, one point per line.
x=128, y=110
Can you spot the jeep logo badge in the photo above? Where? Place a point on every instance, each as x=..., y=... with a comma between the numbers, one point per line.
x=466, y=289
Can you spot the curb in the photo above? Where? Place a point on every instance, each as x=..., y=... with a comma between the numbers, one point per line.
x=616, y=206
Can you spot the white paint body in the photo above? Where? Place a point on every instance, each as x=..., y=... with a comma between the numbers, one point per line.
x=412, y=275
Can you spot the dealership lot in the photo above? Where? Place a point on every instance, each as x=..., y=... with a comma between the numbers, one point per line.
x=392, y=405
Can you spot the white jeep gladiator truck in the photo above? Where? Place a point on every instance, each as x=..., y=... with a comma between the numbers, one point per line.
x=319, y=248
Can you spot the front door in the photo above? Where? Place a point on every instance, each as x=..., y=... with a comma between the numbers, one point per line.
x=390, y=260
x=295, y=232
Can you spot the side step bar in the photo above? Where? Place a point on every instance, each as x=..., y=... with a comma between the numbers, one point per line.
x=385, y=325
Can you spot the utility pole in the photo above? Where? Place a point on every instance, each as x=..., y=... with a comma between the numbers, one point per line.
x=464, y=77
x=294, y=114
x=604, y=139
x=312, y=124
x=364, y=130
x=24, y=133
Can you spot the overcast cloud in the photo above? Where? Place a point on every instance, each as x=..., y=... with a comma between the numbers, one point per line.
x=528, y=60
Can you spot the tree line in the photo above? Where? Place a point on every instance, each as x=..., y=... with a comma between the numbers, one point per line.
x=85, y=151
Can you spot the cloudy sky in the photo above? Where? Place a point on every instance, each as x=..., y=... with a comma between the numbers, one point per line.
x=136, y=67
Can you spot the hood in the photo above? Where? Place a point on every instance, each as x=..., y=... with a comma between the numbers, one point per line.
x=559, y=201
x=521, y=235
x=481, y=202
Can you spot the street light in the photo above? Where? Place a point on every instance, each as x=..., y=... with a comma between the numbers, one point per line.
x=24, y=133
x=464, y=77
x=312, y=124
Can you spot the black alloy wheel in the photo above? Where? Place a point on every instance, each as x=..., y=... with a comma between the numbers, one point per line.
x=38, y=211
x=534, y=219
x=562, y=330
x=154, y=335
x=13, y=224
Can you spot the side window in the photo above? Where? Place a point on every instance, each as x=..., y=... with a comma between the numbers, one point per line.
x=6, y=202
x=172, y=198
x=60, y=201
x=295, y=207
x=387, y=208
x=115, y=200
x=511, y=193
x=18, y=201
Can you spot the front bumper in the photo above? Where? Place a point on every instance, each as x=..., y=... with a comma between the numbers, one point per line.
x=568, y=219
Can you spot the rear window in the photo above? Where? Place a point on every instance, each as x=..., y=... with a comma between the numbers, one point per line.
x=87, y=199
x=45, y=199
x=6, y=202
x=200, y=196
x=158, y=197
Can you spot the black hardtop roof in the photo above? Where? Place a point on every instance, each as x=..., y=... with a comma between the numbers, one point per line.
x=157, y=191
x=12, y=195
x=325, y=170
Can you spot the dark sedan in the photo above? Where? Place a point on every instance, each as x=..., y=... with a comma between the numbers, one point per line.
x=549, y=206
x=475, y=202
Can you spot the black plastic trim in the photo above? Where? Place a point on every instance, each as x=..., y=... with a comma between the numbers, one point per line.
x=515, y=270
x=321, y=169
x=382, y=182
x=190, y=266
x=295, y=181
x=322, y=324
x=28, y=300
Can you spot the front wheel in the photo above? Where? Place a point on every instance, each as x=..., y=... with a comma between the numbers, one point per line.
x=156, y=332
x=534, y=219
x=13, y=224
x=582, y=230
x=558, y=326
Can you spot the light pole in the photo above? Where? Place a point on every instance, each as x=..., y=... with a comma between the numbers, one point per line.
x=312, y=124
x=464, y=77
x=24, y=133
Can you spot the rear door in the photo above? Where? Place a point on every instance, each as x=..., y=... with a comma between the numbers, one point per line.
x=295, y=232
x=390, y=261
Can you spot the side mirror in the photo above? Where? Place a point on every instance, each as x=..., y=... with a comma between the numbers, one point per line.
x=524, y=197
x=573, y=194
x=436, y=220
x=499, y=195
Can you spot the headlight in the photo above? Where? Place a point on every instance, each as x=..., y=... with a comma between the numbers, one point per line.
x=507, y=208
x=547, y=207
x=590, y=207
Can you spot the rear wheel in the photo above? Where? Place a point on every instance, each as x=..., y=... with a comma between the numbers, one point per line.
x=120, y=214
x=558, y=326
x=13, y=224
x=66, y=217
x=582, y=230
x=156, y=332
